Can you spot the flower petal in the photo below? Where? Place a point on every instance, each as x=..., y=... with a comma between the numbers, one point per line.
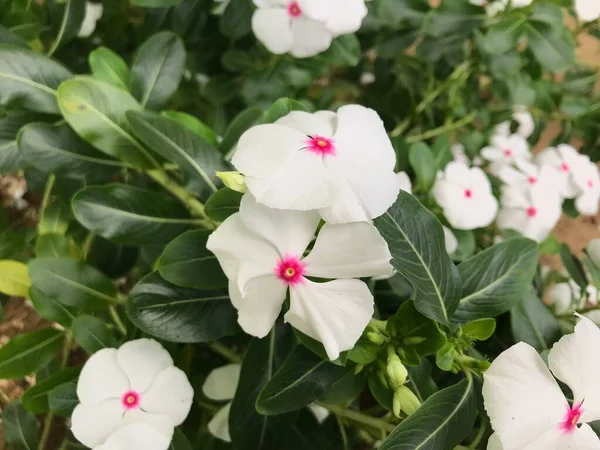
x=272, y=27
x=219, y=424
x=136, y=436
x=171, y=395
x=582, y=438
x=351, y=250
x=310, y=37
x=574, y=361
x=322, y=123
x=93, y=424
x=222, y=382
x=334, y=313
x=345, y=16
x=521, y=398
x=102, y=378
x=405, y=183
x=450, y=240
x=142, y=360
x=159, y=422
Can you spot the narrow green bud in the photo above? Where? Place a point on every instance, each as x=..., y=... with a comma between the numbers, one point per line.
x=396, y=371
x=233, y=180
x=375, y=338
x=382, y=379
x=407, y=399
x=396, y=406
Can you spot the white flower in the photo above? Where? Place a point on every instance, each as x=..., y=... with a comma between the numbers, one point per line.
x=528, y=176
x=593, y=251
x=520, y=3
x=505, y=150
x=587, y=10
x=465, y=194
x=459, y=154
x=367, y=78
x=404, y=181
x=136, y=436
x=261, y=251
x=567, y=296
x=136, y=384
x=532, y=212
x=93, y=13
x=567, y=161
x=305, y=28
x=525, y=120
x=526, y=406
x=342, y=164
x=587, y=179
x=450, y=240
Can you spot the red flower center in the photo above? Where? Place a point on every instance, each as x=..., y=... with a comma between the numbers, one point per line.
x=531, y=211
x=468, y=193
x=507, y=152
x=290, y=270
x=294, y=10
x=130, y=400
x=590, y=184
x=532, y=180
x=320, y=145
x=565, y=167
x=572, y=417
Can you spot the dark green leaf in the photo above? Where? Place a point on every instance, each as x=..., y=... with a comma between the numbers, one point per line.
x=194, y=125
x=573, y=266
x=107, y=66
x=281, y=108
x=223, y=204
x=415, y=330
x=383, y=394
x=63, y=399
x=35, y=398
x=242, y=122
x=11, y=157
x=19, y=427
x=50, y=309
x=10, y=38
x=423, y=163
x=180, y=441
x=55, y=246
x=92, y=334
x=235, y=22
x=420, y=381
x=55, y=218
x=67, y=17
x=112, y=259
x=26, y=353
x=344, y=390
x=156, y=3
x=553, y=49
x=454, y=17
x=532, y=322
x=504, y=36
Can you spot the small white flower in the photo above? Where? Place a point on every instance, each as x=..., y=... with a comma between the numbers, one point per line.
x=587, y=10
x=459, y=154
x=136, y=384
x=261, y=251
x=561, y=297
x=136, y=436
x=525, y=120
x=305, y=28
x=465, y=194
x=340, y=163
x=505, y=150
x=532, y=212
x=567, y=161
x=528, y=176
x=587, y=179
x=93, y=13
x=593, y=251
x=450, y=240
x=520, y=3
x=367, y=78
x=526, y=406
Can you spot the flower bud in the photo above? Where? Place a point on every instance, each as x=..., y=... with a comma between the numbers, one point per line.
x=396, y=406
x=407, y=400
x=375, y=338
x=233, y=180
x=396, y=371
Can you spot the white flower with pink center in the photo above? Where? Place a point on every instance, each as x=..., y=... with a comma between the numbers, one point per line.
x=341, y=164
x=465, y=195
x=567, y=161
x=533, y=213
x=135, y=384
x=527, y=176
x=524, y=120
x=305, y=28
x=526, y=407
x=136, y=436
x=587, y=179
x=263, y=253
x=505, y=150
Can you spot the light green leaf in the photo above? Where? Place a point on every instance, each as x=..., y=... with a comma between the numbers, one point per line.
x=28, y=352
x=14, y=279
x=107, y=66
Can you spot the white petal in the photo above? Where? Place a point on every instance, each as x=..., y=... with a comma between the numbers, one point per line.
x=322, y=123
x=582, y=438
x=92, y=424
x=102, y=378
x=219, y=424
x=142, y=360
x=494, y=443
x=171, y=395
x=587, y=10
x=289, y=231
x=272, y=27
x=334, y=313
x=320, y=413
x=345, y=16
x=502, y=129
x=310, y=37
x=93, y=13
x=222, y=382
x=261, y=304
x=526, y=123
x=561, y=297
x=405, y=183
x=136, y=436
x=593, y=250
x=588, y=204
x=159, y=422
x=574, y=360
x=450, y=240
x=351, y=250
x=521, y=398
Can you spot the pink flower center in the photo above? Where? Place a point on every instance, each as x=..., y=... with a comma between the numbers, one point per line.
x=507, y=152
x=532, y=180
x=321, y=145
x=290, y=270
x=130, y=400
x=531, y=212
x=294, y=10
x=565, y=167
x=590, y=184
x=572, y=417
x=468, y=193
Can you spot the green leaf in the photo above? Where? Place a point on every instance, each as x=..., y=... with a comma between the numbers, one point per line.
x=532, y=322
x=281, y=108
x=480, y=329
x=55, y=218
x=504, y=36
x=67, y=17
x=10, y=38
x=302, y=379
x=28, y=352
x=186, y=262
x=35, y=398
x=344, y=51
x=96, y=111
x=63, y=399
x=156, y=3
x=157, y=69
x=178, y=314
x=423, y=163
x=197, y=158
x=19, y=427
x=72, y=283
x=55, y=246
x=235, y=21
x=382, y=394
x=29, y=80
x=466, y=244
x=180, y=441
x=194, y=125
x=420, y=381
x=344, y=390
x=48, y=308
x=416, y=331
x=416, y=242
x=547, y=14
x=495, y=279
x=130, y=215
x=107, y=66
x=454, y=17
x=553, y=49
x=242, y=122
x=440, y=423
x=223, y=204
x=112, y=259
x=11, y=157
x=15, y=279
x=92, y=334
x=573, y=266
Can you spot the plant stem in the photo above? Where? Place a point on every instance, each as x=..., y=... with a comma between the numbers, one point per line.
x=225, y=352
x=117, y=320
x=359, y=417
x=87, y=245
x=473, y=445
x=66, y=349
x=46, y=196
x=46, y=431
x=343, y=433
x=444, y=129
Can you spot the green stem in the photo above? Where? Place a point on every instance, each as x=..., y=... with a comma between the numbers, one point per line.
x=117, y=320
x=359, y=417
x=441, y=130
x=343, y=433
x=46, y=197
x=46, y=431
x=87, y=245
x=64, y=444
x=225, y=352
x=479, y=436
x=66, y=349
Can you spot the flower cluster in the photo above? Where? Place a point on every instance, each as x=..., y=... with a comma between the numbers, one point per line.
x=526, y=405
x=305, y=28
x=338, y=167
x=131, y=397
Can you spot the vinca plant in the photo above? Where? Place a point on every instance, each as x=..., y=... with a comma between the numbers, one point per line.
x=311, y=224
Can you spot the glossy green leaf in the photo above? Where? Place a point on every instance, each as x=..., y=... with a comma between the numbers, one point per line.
x=384, y=395
x=573, y=266
x=26, y=353
x=10, y=38
x=423, y=163
x=29, y=80
x=72, y=283
x=112, y=259
x=55, y=246
x=14, y=278
x=223, y=204
x=180, y=441
x=63, y=399
x=35, y=398
x=416, y=242
x=242, y=122
x=178, y=314
x=55, y=218
x=495, y=279
x=11, y=157
x=552, y=48
x=19, y=427
x=194, y=125
x=157, y=69
x=480, y=329
x=415, y=330
x=130, y=215
x=96, y=111
x=107, y=66
x=440, y=423
x=186, y=262
x=48, y=308
x=532, y=322
x=281, y=108
x=302, y=379
x=235, y=21
x=420, y=381
x=67, y=17
x=92, y=334
x=344, y=390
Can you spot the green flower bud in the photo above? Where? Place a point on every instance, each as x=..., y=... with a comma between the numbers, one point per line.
x=375, y=338
x=233, y=180
x=396, y=371
x=407, y=399
x=396, y=406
